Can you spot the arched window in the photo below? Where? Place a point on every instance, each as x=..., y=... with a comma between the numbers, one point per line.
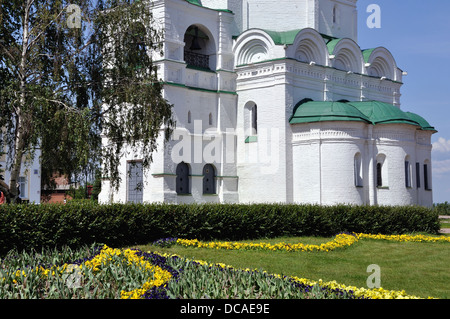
x=358, y=170
x=209, y=179
x=251, y=119
x=407, y=172
x=200, y=49
x=189, y=117
x=379, y=175
x=382, y=171
x=182, y=183
x=210, y=119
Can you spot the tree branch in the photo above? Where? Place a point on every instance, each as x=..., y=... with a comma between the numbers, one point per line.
x=32, y=42
x=67, y=107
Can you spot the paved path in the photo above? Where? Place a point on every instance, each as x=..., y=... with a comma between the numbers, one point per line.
x=444, y=230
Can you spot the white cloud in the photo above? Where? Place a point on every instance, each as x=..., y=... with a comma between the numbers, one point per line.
x=442, y=145
x=441, y=167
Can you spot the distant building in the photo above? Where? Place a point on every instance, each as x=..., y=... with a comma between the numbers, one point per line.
x=59, y=192
x=29, y=183
x=276, y=102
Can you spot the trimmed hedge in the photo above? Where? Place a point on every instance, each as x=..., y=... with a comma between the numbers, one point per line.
x=118, y=225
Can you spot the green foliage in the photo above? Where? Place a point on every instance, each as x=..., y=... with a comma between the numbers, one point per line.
x=203, y=281
x=97, y=186
x=442, y=208
x=20, y=278
x=77, y=193
x=117, y=225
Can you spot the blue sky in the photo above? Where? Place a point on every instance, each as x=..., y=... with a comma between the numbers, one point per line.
x=417, y=33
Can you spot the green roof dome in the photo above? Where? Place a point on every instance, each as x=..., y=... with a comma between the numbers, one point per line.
x=312, y=111
x=383, y=113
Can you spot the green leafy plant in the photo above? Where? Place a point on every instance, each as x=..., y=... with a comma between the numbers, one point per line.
x=82, y=223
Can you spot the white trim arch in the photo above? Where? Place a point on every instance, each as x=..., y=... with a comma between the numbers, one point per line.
x=381, y=63
x=347, y=56
x=253, y=46
x=308, y=47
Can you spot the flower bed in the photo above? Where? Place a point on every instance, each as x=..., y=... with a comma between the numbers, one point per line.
x=340, y=241
x=295, y=287
x=108, y=273
x=104, y=272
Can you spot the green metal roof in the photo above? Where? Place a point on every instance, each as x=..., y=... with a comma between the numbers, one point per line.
x=372, y=112
x=288, y=37
x=332, y=44
x=283, y=37
x=366, y=54
x=316, y=111
x=423, y=123
x=196, y=2
x=383, y=113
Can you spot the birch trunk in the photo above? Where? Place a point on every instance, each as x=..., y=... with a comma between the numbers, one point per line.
x=21, y=128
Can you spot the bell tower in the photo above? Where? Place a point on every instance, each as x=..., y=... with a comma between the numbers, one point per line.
x=338, y=18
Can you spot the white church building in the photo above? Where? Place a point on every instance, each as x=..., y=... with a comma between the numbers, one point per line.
x=275, y=102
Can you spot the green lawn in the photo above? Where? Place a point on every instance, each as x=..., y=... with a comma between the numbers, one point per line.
x=445, y=223
x=421, y=269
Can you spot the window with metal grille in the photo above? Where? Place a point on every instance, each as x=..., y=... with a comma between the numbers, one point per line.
x=196, y=59
x=135, y=182
x=22, y=186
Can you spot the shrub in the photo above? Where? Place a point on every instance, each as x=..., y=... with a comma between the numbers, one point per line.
x=118, y=225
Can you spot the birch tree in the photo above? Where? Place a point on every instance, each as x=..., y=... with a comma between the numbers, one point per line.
x=68, y=68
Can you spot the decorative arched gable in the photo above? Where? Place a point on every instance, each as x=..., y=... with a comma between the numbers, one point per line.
x=346, y=55
x=309, y=46
x=380, y=63
x=253, y=46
